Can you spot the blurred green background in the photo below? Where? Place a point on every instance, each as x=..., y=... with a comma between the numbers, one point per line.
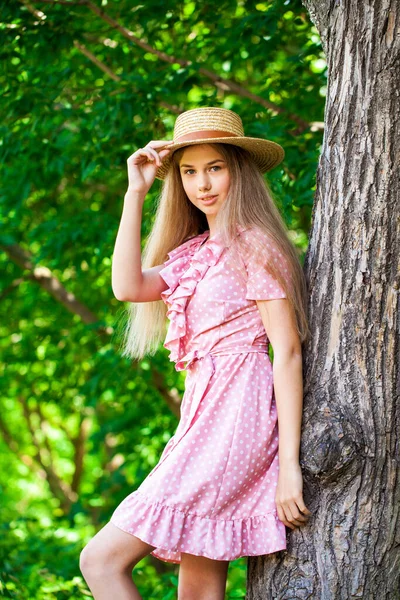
x=83, y=85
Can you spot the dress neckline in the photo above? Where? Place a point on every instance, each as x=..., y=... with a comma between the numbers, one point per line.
x=208, y=237
x=205, y=240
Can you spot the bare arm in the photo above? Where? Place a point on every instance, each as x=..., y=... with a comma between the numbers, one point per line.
x=129, y=282
x=279, y=323
x=287, y=373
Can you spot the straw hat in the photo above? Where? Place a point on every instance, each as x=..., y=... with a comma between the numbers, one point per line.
x=213, y=124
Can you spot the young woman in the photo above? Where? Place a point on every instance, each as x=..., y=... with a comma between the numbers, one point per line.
x=232, y=283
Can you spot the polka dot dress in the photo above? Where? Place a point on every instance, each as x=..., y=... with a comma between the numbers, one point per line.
x=212, y=492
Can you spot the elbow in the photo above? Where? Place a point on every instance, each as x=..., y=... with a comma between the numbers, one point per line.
x=124, y=296
x=119, y=296
x=288, y=353
x=125, y=290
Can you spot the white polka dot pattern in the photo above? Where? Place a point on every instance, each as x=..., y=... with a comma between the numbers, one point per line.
x=260, y=283
x=212, y=491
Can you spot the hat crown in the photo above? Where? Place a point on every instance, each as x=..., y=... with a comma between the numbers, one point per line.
x=208, y=119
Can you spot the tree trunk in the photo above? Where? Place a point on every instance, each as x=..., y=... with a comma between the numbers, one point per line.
x=351, y=425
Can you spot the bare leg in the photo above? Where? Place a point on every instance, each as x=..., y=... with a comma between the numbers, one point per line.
x=106, y=563
x=202, y=578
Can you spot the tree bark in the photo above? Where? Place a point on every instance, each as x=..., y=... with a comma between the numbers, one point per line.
x=351, y=425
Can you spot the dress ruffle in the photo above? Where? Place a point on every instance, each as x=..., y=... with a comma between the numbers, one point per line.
x=174, y=519
x=186, y=266
x=173, y=531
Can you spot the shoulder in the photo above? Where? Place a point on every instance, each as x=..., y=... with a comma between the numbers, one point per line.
x=259, y=252
x=254, y=241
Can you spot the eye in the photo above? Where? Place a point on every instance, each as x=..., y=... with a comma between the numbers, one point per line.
x=213, y=167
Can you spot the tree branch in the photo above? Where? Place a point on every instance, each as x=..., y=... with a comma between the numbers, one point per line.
x=44, y=277
x=220, y=82
x=96, y=61
x=82, y=48
x=79, y=443
x=60, y=489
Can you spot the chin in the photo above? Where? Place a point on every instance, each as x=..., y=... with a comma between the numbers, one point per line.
x=209, y=209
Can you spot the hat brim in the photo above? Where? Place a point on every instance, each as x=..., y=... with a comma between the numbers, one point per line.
x=266, y=154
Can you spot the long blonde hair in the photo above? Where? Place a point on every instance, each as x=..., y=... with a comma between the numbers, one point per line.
x=249, y=203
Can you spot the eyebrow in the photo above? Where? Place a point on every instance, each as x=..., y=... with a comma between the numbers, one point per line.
x=209, y=163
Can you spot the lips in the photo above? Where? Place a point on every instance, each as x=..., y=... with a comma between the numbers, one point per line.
x=208, y=199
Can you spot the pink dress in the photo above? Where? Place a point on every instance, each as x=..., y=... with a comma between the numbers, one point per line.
x=212, y=492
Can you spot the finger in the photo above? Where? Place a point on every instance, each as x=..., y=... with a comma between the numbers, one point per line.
x=293, y=515
x=158, y=155
x=304, y=509
x=301, y=518
x=137, y=159
x=146, y=152
x=163, y=153
x=282, y=517
x=154, y=154
x=298, y=514
x=290, y=519
x=159, y=143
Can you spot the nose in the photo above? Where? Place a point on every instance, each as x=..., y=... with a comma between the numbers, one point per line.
x=203, y=182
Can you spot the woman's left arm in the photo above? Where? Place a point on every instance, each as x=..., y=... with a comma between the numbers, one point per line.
x=280, y=325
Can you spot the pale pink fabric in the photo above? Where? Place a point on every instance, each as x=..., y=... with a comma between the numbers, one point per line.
x=212, y=492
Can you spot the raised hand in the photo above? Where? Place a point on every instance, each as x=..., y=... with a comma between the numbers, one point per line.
x=143, y=165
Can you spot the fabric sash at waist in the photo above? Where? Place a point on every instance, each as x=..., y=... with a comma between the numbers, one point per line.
x=199, y=389
x=193, y=355
x=203, y=379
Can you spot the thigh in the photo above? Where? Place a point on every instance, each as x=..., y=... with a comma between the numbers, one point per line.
x=114, y=547
x=202, y=578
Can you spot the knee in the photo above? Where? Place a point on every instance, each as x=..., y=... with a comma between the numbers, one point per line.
x=87, y=561
x=96, y=561
x=92, y=561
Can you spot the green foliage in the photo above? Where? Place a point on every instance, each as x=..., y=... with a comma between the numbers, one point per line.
x=39, y=562
x=80, y=427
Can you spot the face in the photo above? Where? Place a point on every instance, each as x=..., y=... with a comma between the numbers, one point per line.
x=204, y=172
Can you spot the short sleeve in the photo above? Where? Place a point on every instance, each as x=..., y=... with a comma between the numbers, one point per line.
x=260, y=252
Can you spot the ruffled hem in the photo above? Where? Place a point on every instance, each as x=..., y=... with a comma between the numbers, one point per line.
x=186, y=266
x=173, y=531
